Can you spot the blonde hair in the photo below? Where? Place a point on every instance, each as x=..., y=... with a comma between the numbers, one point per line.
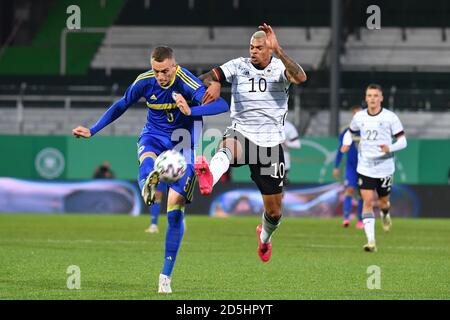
x=258, y=34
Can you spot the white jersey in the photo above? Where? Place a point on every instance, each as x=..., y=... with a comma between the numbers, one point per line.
x=259, y=100
x=292, y=141
x=376, y=130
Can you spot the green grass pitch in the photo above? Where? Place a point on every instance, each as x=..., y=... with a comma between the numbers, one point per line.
x=312, y=259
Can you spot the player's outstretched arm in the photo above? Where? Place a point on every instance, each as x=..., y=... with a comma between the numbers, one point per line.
x=81, y=132
x=294, y=72
x=216, y=107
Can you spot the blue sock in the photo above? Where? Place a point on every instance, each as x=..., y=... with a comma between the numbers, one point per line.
x=174, y=234
x=360, y=207
x=144, y=169
x=347, y=206
x=154, y=210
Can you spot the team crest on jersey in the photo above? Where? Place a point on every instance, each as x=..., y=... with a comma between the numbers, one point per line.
x=268, y=72
x=153, y=97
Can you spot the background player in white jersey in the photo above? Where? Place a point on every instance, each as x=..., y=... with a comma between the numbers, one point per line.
x=376, y=161
x=292, y=142
x=259, y=107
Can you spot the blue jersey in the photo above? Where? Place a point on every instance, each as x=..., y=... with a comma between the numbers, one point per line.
x=351, y=163
x=163, y=116
x=352, y=154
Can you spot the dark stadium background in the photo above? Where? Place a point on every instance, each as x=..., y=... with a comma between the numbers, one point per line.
x=52, y=80
x=55, y=218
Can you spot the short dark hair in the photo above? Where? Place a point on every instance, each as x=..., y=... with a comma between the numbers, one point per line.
x=162, y=53
x=374, y=86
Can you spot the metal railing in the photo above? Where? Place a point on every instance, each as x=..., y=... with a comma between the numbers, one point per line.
x=302, y=102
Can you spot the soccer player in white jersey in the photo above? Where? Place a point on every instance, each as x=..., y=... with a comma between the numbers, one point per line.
x=259, y=105
x=376, y=161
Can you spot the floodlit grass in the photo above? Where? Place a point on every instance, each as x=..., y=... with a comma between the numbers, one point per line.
x=312, y=259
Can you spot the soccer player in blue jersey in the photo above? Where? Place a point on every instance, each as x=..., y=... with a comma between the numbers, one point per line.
x=351, y=176
x=165, y=128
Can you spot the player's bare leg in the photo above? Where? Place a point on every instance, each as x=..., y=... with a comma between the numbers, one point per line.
x=209, y=174
x=369, y=219
x=385, y=206
x=270, y=222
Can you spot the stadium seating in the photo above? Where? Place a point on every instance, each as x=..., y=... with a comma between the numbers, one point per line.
x=128, y=47
x=53, y=121
x=410, y=53
x=422, y=49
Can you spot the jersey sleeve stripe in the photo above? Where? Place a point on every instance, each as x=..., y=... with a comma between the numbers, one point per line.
x=218, y=72
x=189, y=81
x=145, y=74
x=139, y=78
x=194, y=85
x=399, y=134
x=189, y=78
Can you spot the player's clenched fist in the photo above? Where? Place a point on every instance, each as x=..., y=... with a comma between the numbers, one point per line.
x=81, y=132
x=182, y=104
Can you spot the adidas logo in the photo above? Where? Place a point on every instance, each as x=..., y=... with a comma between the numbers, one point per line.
x=153, y=97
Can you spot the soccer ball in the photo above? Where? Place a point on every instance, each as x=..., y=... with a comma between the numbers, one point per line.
x=170, y=165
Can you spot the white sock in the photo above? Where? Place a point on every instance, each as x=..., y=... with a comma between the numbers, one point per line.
x=268, y=229
x=369, y=225
x=219, y=165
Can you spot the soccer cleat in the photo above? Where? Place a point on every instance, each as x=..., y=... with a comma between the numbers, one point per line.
x=264, y=249
x=387, y=222
x=205, y=177
x=152, y=229
x=359, y=225
x=370, y=247
x=149, y=189
x=164, y=284
x=346, y=223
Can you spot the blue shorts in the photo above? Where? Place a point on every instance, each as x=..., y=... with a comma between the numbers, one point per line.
x=351, y=177
x=158, y=144
x=161, y=187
